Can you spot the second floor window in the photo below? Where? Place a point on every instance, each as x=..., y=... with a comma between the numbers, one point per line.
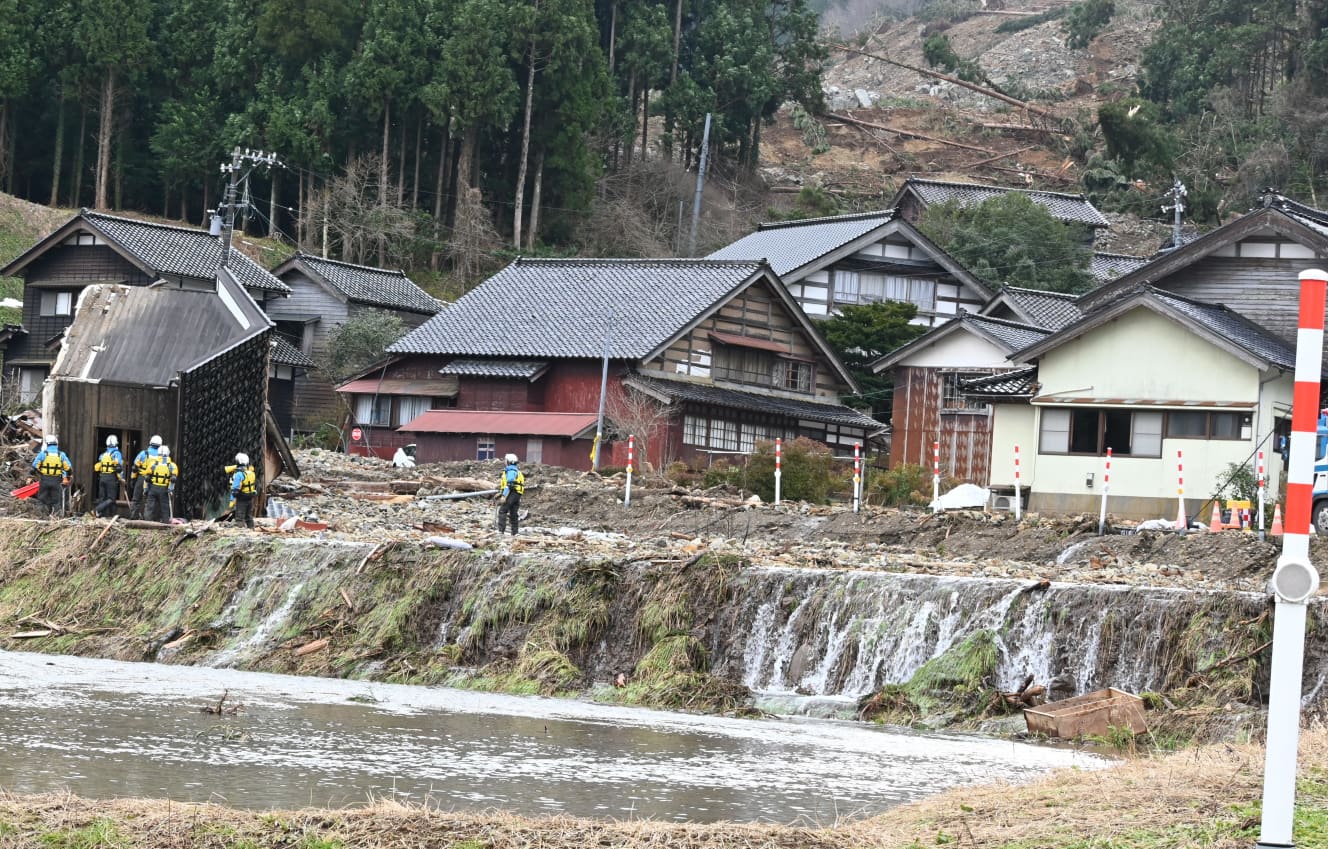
x=57, y=303
x=761, y=368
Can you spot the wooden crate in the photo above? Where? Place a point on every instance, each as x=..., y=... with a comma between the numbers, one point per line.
x=1090, y=714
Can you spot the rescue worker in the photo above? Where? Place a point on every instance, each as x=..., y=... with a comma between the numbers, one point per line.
x=138, y=476
x=512, y=486
x=108, y=467
x=244, y=484
x=52, y=468
x=161, y=486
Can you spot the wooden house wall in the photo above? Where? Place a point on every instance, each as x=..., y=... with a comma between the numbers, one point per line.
x=315, y=399
x=918, y=422
x=444, y=447
x=1264, y=289
x=66, y=268
x=489, y=393
x=80, y=408
x=755, y=313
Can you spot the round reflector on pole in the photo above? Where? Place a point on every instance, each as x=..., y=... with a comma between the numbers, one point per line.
x=1295, y=580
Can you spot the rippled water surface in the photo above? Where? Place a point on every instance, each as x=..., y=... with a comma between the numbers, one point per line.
x=107, y=729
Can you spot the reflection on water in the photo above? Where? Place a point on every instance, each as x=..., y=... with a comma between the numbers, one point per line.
x=106, y=729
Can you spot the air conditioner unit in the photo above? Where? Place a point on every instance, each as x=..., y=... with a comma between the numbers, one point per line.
x=1002, y=502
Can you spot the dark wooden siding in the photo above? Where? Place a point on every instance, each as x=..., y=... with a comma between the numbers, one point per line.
x=918, y=422
x=1266, y=291
x=79, y=409
x=315, y=400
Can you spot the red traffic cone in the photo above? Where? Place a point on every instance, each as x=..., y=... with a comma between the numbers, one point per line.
x=1215, y=524
x=1276, y=529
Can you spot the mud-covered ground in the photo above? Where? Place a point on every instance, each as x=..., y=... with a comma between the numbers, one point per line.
x=574, y=511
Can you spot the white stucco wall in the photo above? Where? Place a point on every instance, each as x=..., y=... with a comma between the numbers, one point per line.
x=961, y=350
x=1140, y=356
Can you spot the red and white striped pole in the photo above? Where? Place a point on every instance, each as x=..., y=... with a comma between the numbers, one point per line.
x=936, y=477
x=779, y=462
x=857, y=476
x=1018, y=501
x=1182, y=523
x=631, y=455
x=1295, y=579
x=1261, y=476
x=1106, y=487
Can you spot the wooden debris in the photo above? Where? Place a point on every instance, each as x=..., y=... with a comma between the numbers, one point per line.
x=104, y=532
x=221, y=708
x=310, y=648
x=32, y=635
x=345, y=596
x=908, y=134
x=179, y=641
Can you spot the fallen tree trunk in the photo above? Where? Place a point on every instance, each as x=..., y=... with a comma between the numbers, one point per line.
x=849, y=119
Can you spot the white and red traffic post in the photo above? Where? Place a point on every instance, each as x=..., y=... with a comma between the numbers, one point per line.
x=631, y=455
x=936, y=476
x=1106, y=487
x=1295, y=579
x=1261, y=478
x=1018, y=501
x=779, y=461
x=857, y=476
x=1182, y=522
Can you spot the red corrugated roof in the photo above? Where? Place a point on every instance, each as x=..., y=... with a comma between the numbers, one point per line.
x=568, y=425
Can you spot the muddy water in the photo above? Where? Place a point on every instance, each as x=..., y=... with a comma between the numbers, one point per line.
x=107, y=729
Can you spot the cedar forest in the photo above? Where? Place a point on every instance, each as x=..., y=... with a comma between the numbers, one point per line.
x=415, y=129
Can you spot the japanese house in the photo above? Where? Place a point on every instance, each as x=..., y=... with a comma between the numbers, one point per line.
x=325, y=293
x=93, y=248
x=917, y=194
x=705, y=358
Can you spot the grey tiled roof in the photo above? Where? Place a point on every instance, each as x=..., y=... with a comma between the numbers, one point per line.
x=789, y=245
x=183, y=251
x=286, y=354
x=521, y=369
x=1107, y=267
x=1233, y=326
x=1012, y=334
x=1018, y=383
x=700, y=393
x=1066, y=207
x=547, y=308
x=1052, y=310
x=1315, y=219
x=374, y=286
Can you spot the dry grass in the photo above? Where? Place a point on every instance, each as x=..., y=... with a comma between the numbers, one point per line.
x=1197, y=798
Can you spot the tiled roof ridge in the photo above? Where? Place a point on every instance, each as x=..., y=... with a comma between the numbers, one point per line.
x=1066, y=296
x=1018, y=325
x=641, y=261
x=958, y=184
x=302, y=255
x=193, y=231
x=1282, y=203
x=825, y=219
x=1117, y=256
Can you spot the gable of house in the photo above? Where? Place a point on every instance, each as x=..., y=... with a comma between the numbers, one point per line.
x=1048, y=310
x=360, y=284
x=829, y=263
x=1251, y=264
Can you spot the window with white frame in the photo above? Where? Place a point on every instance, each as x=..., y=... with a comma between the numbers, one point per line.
x=752, y=434
x=1091, y=431
x=57, y=303
x=847, y=287
x=793, y=374
x=374, y=411
x=484, y=448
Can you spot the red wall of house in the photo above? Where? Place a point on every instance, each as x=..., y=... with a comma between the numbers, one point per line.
x=438, y=448
x=917, y=422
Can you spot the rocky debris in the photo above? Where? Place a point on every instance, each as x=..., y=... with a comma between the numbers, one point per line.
x=566, y=511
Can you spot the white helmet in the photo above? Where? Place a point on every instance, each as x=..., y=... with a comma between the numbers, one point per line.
x=510, y=458
x=155, y=440
x=164, y=451
x=50, y=439
x=242, y=458
x=112, y=441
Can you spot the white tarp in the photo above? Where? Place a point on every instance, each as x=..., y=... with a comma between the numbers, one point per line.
x=964, y=496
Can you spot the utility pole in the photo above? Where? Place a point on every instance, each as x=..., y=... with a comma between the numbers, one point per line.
x=223, y=219
x=700, y=184
x=1177, y=195
x=603, y=392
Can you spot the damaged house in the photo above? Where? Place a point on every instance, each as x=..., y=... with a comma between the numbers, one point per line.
x=200, y=386
x=94, y=248
x=706, y=357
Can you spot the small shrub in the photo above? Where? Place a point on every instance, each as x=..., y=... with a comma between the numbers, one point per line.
x=1086, y=20
x=904, y=484
x=807, y=473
